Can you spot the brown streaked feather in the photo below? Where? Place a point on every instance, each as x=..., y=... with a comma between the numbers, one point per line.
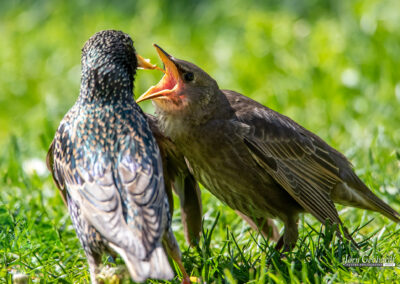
x=355, y=193
x=306, y=155
x=311, y=195
x=298, y=161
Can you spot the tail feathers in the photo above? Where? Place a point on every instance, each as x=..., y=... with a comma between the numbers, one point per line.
x=359, y=195
x=384, y=208
x=156, y=267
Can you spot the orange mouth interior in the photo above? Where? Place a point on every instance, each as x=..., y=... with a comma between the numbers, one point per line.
x=168, y=84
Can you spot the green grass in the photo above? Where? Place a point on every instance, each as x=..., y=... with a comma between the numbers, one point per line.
x=330, y=65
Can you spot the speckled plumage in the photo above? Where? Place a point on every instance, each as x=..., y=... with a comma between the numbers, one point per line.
x=106, y=163
x=254, y=159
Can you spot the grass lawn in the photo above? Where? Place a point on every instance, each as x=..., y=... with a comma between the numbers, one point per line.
x=333, y=66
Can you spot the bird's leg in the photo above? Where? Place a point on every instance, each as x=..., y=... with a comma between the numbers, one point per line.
x=88, y=236
x=265, y=225
x=112, y=256
x=94, y=261
x=171, y=245
x=291, y=234
x=279, y=244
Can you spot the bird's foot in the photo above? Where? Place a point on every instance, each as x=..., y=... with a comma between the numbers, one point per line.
x=110, y=275
x=279, y=244
x=191, y=279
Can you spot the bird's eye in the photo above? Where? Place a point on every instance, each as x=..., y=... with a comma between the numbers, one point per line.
x=188, y=76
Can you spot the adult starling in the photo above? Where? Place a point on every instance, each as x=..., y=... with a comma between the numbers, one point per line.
x=107, y=165
x=254, y=159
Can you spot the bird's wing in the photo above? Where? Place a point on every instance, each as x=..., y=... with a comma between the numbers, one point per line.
x=141, y=176
x=177, y=175
x=50, y=167
x=124, y=202
x=293, y=156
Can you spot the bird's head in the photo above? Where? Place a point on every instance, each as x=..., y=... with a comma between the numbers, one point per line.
x=109, y=55
x=109, y=62
x=185, y=88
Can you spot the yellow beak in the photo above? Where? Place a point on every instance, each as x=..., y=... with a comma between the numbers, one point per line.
x=168, y=84
x=145, y=64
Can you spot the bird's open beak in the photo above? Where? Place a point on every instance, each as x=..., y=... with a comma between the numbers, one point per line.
x=168, y=84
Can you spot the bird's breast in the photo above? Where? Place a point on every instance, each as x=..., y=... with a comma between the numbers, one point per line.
x=220, y=167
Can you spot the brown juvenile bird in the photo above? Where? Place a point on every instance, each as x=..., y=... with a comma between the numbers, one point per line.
x=254, y=159
x=107, y=165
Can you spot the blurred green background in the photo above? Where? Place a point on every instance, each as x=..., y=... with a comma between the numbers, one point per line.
x=333, y=66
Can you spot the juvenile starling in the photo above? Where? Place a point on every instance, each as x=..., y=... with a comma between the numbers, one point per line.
x=257, y=161
x=107, y=165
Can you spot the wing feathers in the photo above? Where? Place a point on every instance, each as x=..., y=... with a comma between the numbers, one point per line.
x=295, y=160
x=121, y=194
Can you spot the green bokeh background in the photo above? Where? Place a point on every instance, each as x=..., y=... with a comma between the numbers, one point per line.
x=333, y=66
